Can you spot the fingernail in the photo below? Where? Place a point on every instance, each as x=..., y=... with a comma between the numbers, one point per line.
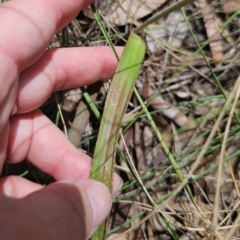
x=100, y=200
x=14, y=110
x=121, y=183
x=117, y=184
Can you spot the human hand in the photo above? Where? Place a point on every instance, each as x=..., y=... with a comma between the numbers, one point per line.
x=29, y=74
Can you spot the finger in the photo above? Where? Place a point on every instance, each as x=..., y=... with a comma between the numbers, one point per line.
x=22, y=45
x=45, y=18
x=66, y=210
x=3, y=144
x=17, y=187
x=62, y=69
x=35, y=137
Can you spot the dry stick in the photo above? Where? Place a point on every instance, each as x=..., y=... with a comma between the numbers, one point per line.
x=117, y=100
x=234, y=228
x=163, y=13
x=219, y=177
x=61, y=115
x=235, y=182
x=211, y=26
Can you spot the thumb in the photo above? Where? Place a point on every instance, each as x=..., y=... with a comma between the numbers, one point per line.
x=64, y=210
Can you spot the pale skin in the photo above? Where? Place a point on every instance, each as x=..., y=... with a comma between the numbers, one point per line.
x=73, y=206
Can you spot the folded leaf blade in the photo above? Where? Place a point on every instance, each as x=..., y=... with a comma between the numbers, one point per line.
x=116, y=103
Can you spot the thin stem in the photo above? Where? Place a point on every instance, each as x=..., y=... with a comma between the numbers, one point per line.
x=162, y=14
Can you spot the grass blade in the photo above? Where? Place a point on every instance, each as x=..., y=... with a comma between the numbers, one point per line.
x=116, y=103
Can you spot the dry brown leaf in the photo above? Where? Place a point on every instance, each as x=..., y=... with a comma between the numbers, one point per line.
x=191, y=218
x=172, y=113
x=135, y=8
x=71, y=98
x=171, y=30
x=211, y=25
x=119, y=236
x=230, y=5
